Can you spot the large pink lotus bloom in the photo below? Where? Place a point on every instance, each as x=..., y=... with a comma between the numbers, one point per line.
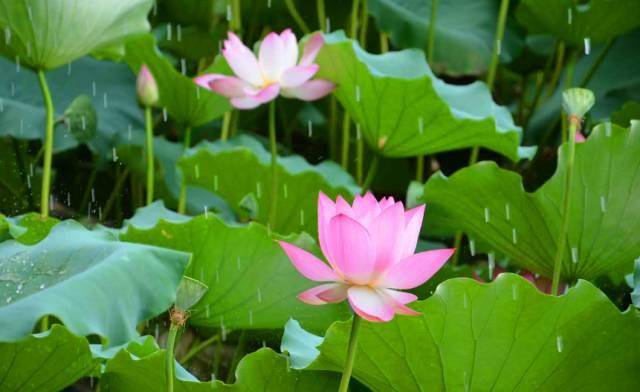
x=276, y=71
x=370, y=249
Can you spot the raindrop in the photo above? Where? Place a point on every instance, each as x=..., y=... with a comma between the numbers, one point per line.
x=492, y=264
x=268, y=3
x=207, y=310
x=217, y=276
x=465, y=300
x=238, y=262
x=357, y=93
x=215, y=182
x=29, y=182
x=507, y=211
x=42, y=286
x=223, y=330
x=114, y=154
x=99, y=213
x=17, y=65
x=514, y=292
x=69, y=199
x=165, y=116
x=206, y=213
x=285, y=190
x=587, y=46
x=328, y=23
x=83, y=120
x=7, y=35
x=30, y=13
x=129, y=131
x=499, y=46
x=183, y=67
x=198, y=94
x=94, y=88
x=486, y=214
x=93, y=195
x=258, y=189
x=607, y=129
x=229, y=15
x=259, y=295
x=250, y=317
x=514, y=235
x=420, y=125
x=169, y=31
x=569, y=15
x=69, y=68
x=179, y=33
x=157, y=331
x=301, y=218
x=310, y=128
x=574, y=254
x=603, y=204
x=559, y=343
x=197, y=171
x=472, y=247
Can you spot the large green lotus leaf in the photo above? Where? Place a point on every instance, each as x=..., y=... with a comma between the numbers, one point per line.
x=404, y=110
x=239, y=170
x=615, y=82
x=571, y=21
x=48, y=34
x=263, y=370
x=90, y=281
x=502, y=336
x=31, y=228
x=252, y=284
x=491, y=206
x=457, y=51
x=186, y=102
x=111, y=87
x=49, y=361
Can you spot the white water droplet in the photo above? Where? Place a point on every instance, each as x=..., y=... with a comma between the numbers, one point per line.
x=179, y=33
x=472, y=247
x=285, y=191
x=328, y=25
x=169, y=31
x=587, y=46
x=514, y=235
x=197, y=171
x=603, y=204
x=301, y=218
x=499, y=47
x=569, y=15
x=238, y=262
x=259, y=296
x=574, y=255
x=94, y=88
x=229, y=14
x=420, y=125
x=559, y=343
x=465, y=300
x=357, y=93
x=507, y=211
x=215, y=182
x=607, y=129
x=492, y=264
x=487, y=215
x=514, y=292
x=310, y=128
x=206, y=213
x=165, y=115
x=258, y=189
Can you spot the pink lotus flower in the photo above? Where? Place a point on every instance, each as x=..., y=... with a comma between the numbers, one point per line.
x=276, y=71
x=370, y=249
x=580, y=137
x=146, y=87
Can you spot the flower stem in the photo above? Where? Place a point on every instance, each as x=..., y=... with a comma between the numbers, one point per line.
x=171, y=343
x=495, y=55
x=351, y=354
x=149, y=150
x=48, y=145
x=346, y=128
x=226, y=124
x=574, y=123
x=322, y=15
x=274, y=169
x=373, y=169
x=296, y=16
x=432, y=31
x=182, y=201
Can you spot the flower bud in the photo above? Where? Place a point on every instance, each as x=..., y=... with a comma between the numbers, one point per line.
x=146, y=87
x=577, y=101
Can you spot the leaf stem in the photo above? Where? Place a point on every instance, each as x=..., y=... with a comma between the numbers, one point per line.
x=182, y=200
x=495, y=55
x=296, y=16
x=274, y=169
x=148, y=125
x=196, y=349
x=117, y=188
x=373, y=169
x=322, y=15
x=346, y=128
x=574, y=123
x=170, y=363
x=237, y=355
x=432, y=31
x=48, y=145
x=351, y=354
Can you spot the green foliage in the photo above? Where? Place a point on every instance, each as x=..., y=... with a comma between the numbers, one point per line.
x=491, y=206
x=505, y=335
x=87, y=280
x=48, y=361
x=46, y=35
x=252, y=283
x=215, y=167
x=422, y=114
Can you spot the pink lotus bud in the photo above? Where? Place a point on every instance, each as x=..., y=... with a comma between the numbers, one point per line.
x=146, y=87
x=369, y=247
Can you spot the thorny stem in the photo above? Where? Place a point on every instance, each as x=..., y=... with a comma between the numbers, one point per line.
x=351, y=354
x=274, y=169
x=182, y=200
x=48, y=146
x=574, y=124
x=149, y=153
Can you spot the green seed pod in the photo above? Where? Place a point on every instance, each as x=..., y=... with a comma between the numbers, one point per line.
x=81, y=119
x=189, y=293
x=577, y=101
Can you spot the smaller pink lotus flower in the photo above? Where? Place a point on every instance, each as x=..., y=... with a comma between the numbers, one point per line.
x=580, y=137
x=146, y=87
x=370, y=249
x=276, y=71
x=542, y=283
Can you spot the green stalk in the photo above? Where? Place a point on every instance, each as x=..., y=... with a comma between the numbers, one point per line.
x=196, y=349
x=493, y=66
x=373, y=169
x=351, y=354
x=364, y=24
x=359, y=157
x=117, y=189
x=274, y=168
x=596, y=64
x=182, y=200
x=566, y=205
x=48, y=145
x=560, y=51
x=237, y=355
x=169, y=365
x=430, y=45
x=296, y=16
x=333, y=128
x=322, y=15
x=149, y=151
x=236, y=18
x=346, y=128
x=226, y=123
x=420, y=168
x=384, y=42
x=353, y=27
